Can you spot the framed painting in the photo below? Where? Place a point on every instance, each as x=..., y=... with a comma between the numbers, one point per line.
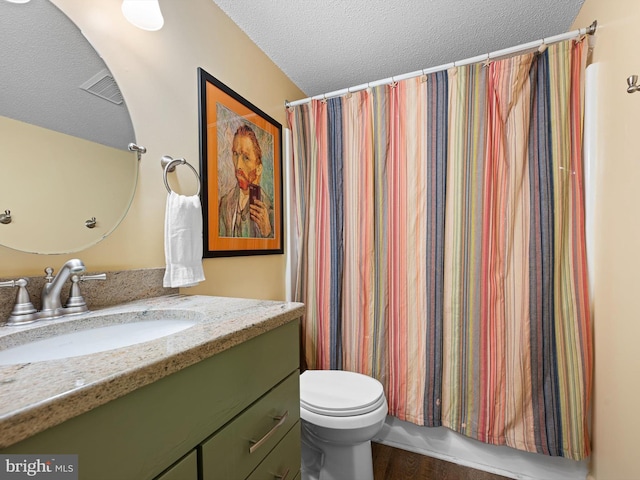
x=241, y=170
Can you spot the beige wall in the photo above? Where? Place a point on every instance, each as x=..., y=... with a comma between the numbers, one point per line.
x=616, y=292
x=157, y=73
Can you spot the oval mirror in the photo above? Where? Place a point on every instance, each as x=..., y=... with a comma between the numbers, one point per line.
x=67, y=177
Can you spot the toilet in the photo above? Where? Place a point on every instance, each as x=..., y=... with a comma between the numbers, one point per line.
x=340, y=413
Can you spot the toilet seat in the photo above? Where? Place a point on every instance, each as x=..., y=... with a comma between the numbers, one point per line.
x=338, y=393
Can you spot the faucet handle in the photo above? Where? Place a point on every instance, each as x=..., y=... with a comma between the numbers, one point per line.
x=23, y=310
x=76, y=302
x=97, y=276
x=49, y=274
x=12, y=283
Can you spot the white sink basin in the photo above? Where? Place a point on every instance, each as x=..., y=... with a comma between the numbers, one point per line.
x=93, y=340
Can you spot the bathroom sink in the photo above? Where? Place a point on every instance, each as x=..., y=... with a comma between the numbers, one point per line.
x=96, y=337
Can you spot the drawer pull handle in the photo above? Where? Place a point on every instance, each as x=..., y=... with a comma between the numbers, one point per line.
x=283, y=476
x=257, y=444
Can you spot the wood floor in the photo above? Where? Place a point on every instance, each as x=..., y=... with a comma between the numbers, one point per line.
x=394, y=464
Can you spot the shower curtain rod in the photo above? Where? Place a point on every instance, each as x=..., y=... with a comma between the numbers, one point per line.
x=590, y=30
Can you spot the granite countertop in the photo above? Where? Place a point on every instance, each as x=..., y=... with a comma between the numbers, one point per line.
x=36, y=396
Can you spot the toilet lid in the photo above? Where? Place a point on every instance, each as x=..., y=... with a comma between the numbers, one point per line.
x=338, y=393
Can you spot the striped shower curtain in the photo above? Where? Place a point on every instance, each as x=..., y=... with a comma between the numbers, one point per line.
x=440, y=227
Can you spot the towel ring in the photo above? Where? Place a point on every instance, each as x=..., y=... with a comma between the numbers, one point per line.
x=169, y=164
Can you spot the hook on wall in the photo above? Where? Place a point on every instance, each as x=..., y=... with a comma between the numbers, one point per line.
x=139, y=149
x=632, y=84
x=5, y=218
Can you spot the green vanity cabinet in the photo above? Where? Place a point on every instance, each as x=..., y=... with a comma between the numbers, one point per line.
x=198, y=423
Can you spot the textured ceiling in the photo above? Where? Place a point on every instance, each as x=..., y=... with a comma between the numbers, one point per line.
x=329, y=45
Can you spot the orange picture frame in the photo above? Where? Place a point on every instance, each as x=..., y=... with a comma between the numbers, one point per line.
x=241, y=171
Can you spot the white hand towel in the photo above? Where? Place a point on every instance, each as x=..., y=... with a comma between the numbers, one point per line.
x=183, y=241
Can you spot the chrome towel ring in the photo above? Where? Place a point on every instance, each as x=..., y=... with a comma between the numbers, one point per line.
x=169, y=165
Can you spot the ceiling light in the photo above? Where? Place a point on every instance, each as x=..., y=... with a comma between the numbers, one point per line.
x=144, y=14
x=18, y=1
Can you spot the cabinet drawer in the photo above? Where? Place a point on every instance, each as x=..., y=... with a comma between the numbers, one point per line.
x=284, y=461
x=235, y=450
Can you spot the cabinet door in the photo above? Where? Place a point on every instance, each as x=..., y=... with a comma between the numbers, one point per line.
x=185, y=469
x=236, y=450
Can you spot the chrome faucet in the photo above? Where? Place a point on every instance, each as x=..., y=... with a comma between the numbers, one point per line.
x=51, y=304
x=23, y=310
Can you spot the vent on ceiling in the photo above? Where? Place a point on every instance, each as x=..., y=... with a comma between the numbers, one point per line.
x=104, y=86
